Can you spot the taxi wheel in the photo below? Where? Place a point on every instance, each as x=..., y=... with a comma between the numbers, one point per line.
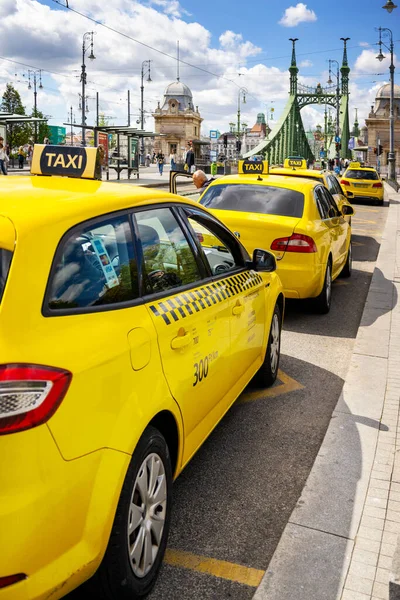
x=322, y=303
x=269, y=369
x=348, y=265
x=139, y=534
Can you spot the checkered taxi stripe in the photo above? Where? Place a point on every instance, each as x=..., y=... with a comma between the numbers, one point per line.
x=186, y=304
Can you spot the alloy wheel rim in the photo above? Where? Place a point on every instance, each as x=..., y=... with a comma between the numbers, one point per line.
x=328, y=285
x=147, y=512
x=275, y=342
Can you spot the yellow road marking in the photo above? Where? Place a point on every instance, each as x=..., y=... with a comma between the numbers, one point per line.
x=212, y=566
x=288, y=385
x=357, y=220
x=341, y=282
x=357, y=244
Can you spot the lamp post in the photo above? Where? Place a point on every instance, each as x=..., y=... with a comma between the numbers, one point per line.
x=389, y=6
x=380, y=57
x=145, y=71
x=34, y=75
x=337, y=129
x=241, y=94
x=87, y=38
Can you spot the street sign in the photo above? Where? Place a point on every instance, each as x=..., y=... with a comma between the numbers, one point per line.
x=214, y=134
x=322, y=153
x=57, y=134
x=351, y=144
x=337, y=139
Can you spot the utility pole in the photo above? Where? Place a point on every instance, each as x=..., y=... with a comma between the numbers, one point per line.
x=34, y=75
x=97, y=109
x=242, y=93
x=88, y=36
x=145, y=71
x=129, y=108
x=337, y=128
x=72, y=143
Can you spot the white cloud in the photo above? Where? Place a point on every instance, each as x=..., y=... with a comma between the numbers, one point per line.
x=306, y=63
x=367, y=62
x=171, y=7
x=297, y=14
x=364, y=44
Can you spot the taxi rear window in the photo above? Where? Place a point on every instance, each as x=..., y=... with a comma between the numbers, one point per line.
x=5, y=262
x=355, y=174
x=263, y=199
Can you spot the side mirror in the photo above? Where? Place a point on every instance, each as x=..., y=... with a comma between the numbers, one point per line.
x=263, y=261
x=347, y=210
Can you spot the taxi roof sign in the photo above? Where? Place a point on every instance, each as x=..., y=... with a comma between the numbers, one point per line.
x=68, y=161
x=295, y=163
x=253, y=167
x=354, y=165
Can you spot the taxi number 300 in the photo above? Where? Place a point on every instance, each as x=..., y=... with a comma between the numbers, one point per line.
x=201, y=367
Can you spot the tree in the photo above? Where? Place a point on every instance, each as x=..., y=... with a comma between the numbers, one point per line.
x=43, y=130
x=17, y=134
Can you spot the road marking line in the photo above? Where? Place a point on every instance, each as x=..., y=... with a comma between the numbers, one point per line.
x=357, y=244
x=357, y=220
x=212, y=566
x=341, y=282
x=288, y=385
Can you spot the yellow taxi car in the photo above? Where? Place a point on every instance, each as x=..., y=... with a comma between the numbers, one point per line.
x=298, y=168
x=296, y=218
x=362, y=182
x=122, y=344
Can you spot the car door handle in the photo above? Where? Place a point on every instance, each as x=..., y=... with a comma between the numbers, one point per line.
x=238, y=309
x=180, y=341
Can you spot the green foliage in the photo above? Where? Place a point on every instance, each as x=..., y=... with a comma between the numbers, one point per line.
x=43, y=130
x=17, y=134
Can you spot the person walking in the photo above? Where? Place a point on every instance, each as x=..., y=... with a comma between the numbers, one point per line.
x=189, y=160
x=160, y=162
x=172, y=160
x=3, y=160
x=147, y=160
x=21, y=157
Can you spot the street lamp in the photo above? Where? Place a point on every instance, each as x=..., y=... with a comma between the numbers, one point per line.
x=87, y=38
x=145, y=71
x=389, y=6
x=337, y=130
x=241, y=94
x=35, y=75
x=380, y=57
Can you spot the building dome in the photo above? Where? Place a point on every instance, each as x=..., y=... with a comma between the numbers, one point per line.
x=181, y=93
x=384, y=91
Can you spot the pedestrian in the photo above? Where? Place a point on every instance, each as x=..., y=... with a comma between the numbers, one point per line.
x=172, y=160
x=3, y=160
x=21, y=157
x=189, y=160
x=200, y=180
x=29, y=154
x=147, y=160
x=46, y=141
x=160, y=162
x=153, y=160
x=322, y=164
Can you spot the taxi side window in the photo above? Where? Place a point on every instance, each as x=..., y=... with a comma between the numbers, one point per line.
x=168, y=259
x=96, y=267
x=326, y=204
x=334, y=185
x=217, y=252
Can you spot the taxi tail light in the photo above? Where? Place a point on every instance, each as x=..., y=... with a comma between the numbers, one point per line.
x=11, y=579
x=30, y=395
x=297, y=242
x=344, y=182
x=377, y=185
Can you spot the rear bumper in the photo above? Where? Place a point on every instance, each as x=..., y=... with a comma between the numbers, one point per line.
x=55, y=515
x=301, y=280
x=365, y=195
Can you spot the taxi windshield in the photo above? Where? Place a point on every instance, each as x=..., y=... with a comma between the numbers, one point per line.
x=263, y=199
x=355, y=174
x=5, y=261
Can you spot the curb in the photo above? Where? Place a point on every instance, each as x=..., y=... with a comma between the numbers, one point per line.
x=319, y=542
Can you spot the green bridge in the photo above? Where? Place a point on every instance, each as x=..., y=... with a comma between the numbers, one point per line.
x=289, y=137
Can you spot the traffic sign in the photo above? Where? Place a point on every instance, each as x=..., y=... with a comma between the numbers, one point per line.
x=337, y=139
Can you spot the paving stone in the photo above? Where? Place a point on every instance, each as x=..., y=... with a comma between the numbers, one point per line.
x=358, y=584
x=391, y=515
x=351, y=595
x=382, y=476
x=393, y=505
x=377, y=502
x=374, y=492
x=392, y=526
x=369, y=534
x=387, y=549
x=380, y=590
x=385, y=562
x=362, y=570
x=370, y=545
x=389, y=537
x=371, y=511
x=372, y=522
x=366, y=557
x=378, y=483
x=382, y=576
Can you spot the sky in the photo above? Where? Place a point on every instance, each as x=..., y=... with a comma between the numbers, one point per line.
x=228, y=45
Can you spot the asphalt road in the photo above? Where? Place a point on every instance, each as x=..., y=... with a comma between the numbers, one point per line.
x=233, y=500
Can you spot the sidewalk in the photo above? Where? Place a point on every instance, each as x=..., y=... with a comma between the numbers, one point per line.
x=341, y=540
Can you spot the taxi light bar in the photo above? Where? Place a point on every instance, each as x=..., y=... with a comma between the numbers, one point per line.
x=11, y=579
x=377, y=185
x=297, y=242
x=344, y=182
x=30, y=395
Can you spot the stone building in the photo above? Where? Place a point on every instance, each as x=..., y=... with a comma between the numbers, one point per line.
x=378, y=126
x=250, y=138
x=178, y=121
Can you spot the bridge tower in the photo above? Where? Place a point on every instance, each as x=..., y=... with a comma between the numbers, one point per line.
x=289, y=137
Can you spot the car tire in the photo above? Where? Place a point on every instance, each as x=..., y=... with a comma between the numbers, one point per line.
x=348, y=265
x=380, y=202
x=267, y=373
x=322, y=303
x=149, y=478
